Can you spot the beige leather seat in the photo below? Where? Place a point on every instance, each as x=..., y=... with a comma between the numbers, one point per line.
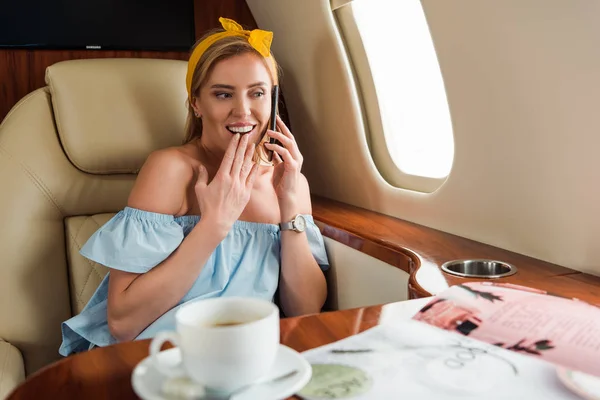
x=68, y=157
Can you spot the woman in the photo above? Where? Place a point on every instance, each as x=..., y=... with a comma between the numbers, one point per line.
x=202, y=219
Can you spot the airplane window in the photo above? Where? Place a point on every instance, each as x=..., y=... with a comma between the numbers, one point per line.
x=408, y=83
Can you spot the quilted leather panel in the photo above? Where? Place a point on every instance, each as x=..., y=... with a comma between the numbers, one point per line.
x=126, y=107
x=84, y=275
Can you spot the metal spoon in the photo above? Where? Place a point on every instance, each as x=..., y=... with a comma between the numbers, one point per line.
x=246, y=387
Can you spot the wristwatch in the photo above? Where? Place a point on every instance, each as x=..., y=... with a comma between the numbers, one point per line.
x=298, y=224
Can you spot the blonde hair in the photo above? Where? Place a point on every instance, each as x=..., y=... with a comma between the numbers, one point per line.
x=222, y=49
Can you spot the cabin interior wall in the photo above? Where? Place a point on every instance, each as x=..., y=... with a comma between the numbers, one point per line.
x=523, y=87
x=522, y=83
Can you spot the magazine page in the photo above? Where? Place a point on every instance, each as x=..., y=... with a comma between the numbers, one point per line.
x=524, y=320
x=407, y=359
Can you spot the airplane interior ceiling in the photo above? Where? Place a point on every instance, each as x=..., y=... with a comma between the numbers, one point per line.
x=523, y=84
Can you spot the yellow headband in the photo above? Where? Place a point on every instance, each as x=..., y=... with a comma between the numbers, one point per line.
x=259, y=39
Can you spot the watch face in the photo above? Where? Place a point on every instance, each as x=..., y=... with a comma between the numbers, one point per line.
x=300, y=223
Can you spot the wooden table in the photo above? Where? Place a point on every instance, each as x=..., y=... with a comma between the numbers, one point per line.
x=105, y=373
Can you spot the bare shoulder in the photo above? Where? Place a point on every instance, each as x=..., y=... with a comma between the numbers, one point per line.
x=163, y=180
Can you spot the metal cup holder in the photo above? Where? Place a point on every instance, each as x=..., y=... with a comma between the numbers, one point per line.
x=479, y=268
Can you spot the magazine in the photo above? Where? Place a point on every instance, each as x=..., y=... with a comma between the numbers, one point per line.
x=530, y=321
x=475, y=340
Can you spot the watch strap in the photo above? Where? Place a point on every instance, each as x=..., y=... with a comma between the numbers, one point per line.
x=287, y=226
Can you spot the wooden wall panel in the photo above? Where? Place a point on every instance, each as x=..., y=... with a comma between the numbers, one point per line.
x=421, y=251
x=207, y=13
x=22, y=71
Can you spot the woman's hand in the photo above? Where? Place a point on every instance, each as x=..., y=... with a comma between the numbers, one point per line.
x=223, y=200
x=288, y=163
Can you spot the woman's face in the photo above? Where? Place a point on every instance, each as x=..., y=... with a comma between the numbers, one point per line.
x=235, y=99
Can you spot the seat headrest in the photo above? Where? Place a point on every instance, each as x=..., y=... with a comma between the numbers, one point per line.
x=111, y=113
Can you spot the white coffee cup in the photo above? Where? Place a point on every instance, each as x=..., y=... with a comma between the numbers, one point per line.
x=225, y=342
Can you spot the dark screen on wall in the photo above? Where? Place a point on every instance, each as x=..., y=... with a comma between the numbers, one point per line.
x=97, y=24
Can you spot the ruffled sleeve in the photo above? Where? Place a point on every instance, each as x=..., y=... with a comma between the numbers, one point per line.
x=134, y=240
x=315, y=240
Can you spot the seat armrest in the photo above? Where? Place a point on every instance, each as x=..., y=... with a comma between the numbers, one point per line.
x=12, y=369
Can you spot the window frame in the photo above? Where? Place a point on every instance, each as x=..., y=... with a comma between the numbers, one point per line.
x=343, y=15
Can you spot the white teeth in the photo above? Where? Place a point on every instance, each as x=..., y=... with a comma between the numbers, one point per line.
x=240, y=129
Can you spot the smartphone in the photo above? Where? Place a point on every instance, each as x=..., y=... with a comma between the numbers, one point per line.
x=273, y=122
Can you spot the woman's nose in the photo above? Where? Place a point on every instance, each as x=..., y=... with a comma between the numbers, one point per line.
x=242, y=108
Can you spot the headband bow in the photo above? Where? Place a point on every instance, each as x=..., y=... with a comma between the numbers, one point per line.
x=258, y=39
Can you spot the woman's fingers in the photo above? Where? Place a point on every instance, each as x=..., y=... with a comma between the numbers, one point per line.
x=287, y=142
x=239, y=156
x=284, y=153
x=202, y=177
x=248, y=163
x=227, y=162
x=284, y=140
x=283, y=128
x=252, y=176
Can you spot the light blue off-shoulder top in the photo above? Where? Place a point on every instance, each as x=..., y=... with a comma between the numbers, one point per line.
x=245, y=263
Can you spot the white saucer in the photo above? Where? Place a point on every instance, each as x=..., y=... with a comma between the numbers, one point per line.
x=586, y=386
x=147, y=382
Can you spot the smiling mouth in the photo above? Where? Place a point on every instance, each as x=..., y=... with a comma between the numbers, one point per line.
x=243, y=130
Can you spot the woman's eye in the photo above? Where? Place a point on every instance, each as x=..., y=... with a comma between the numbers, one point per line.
x=259, y=94
x=223, y=95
